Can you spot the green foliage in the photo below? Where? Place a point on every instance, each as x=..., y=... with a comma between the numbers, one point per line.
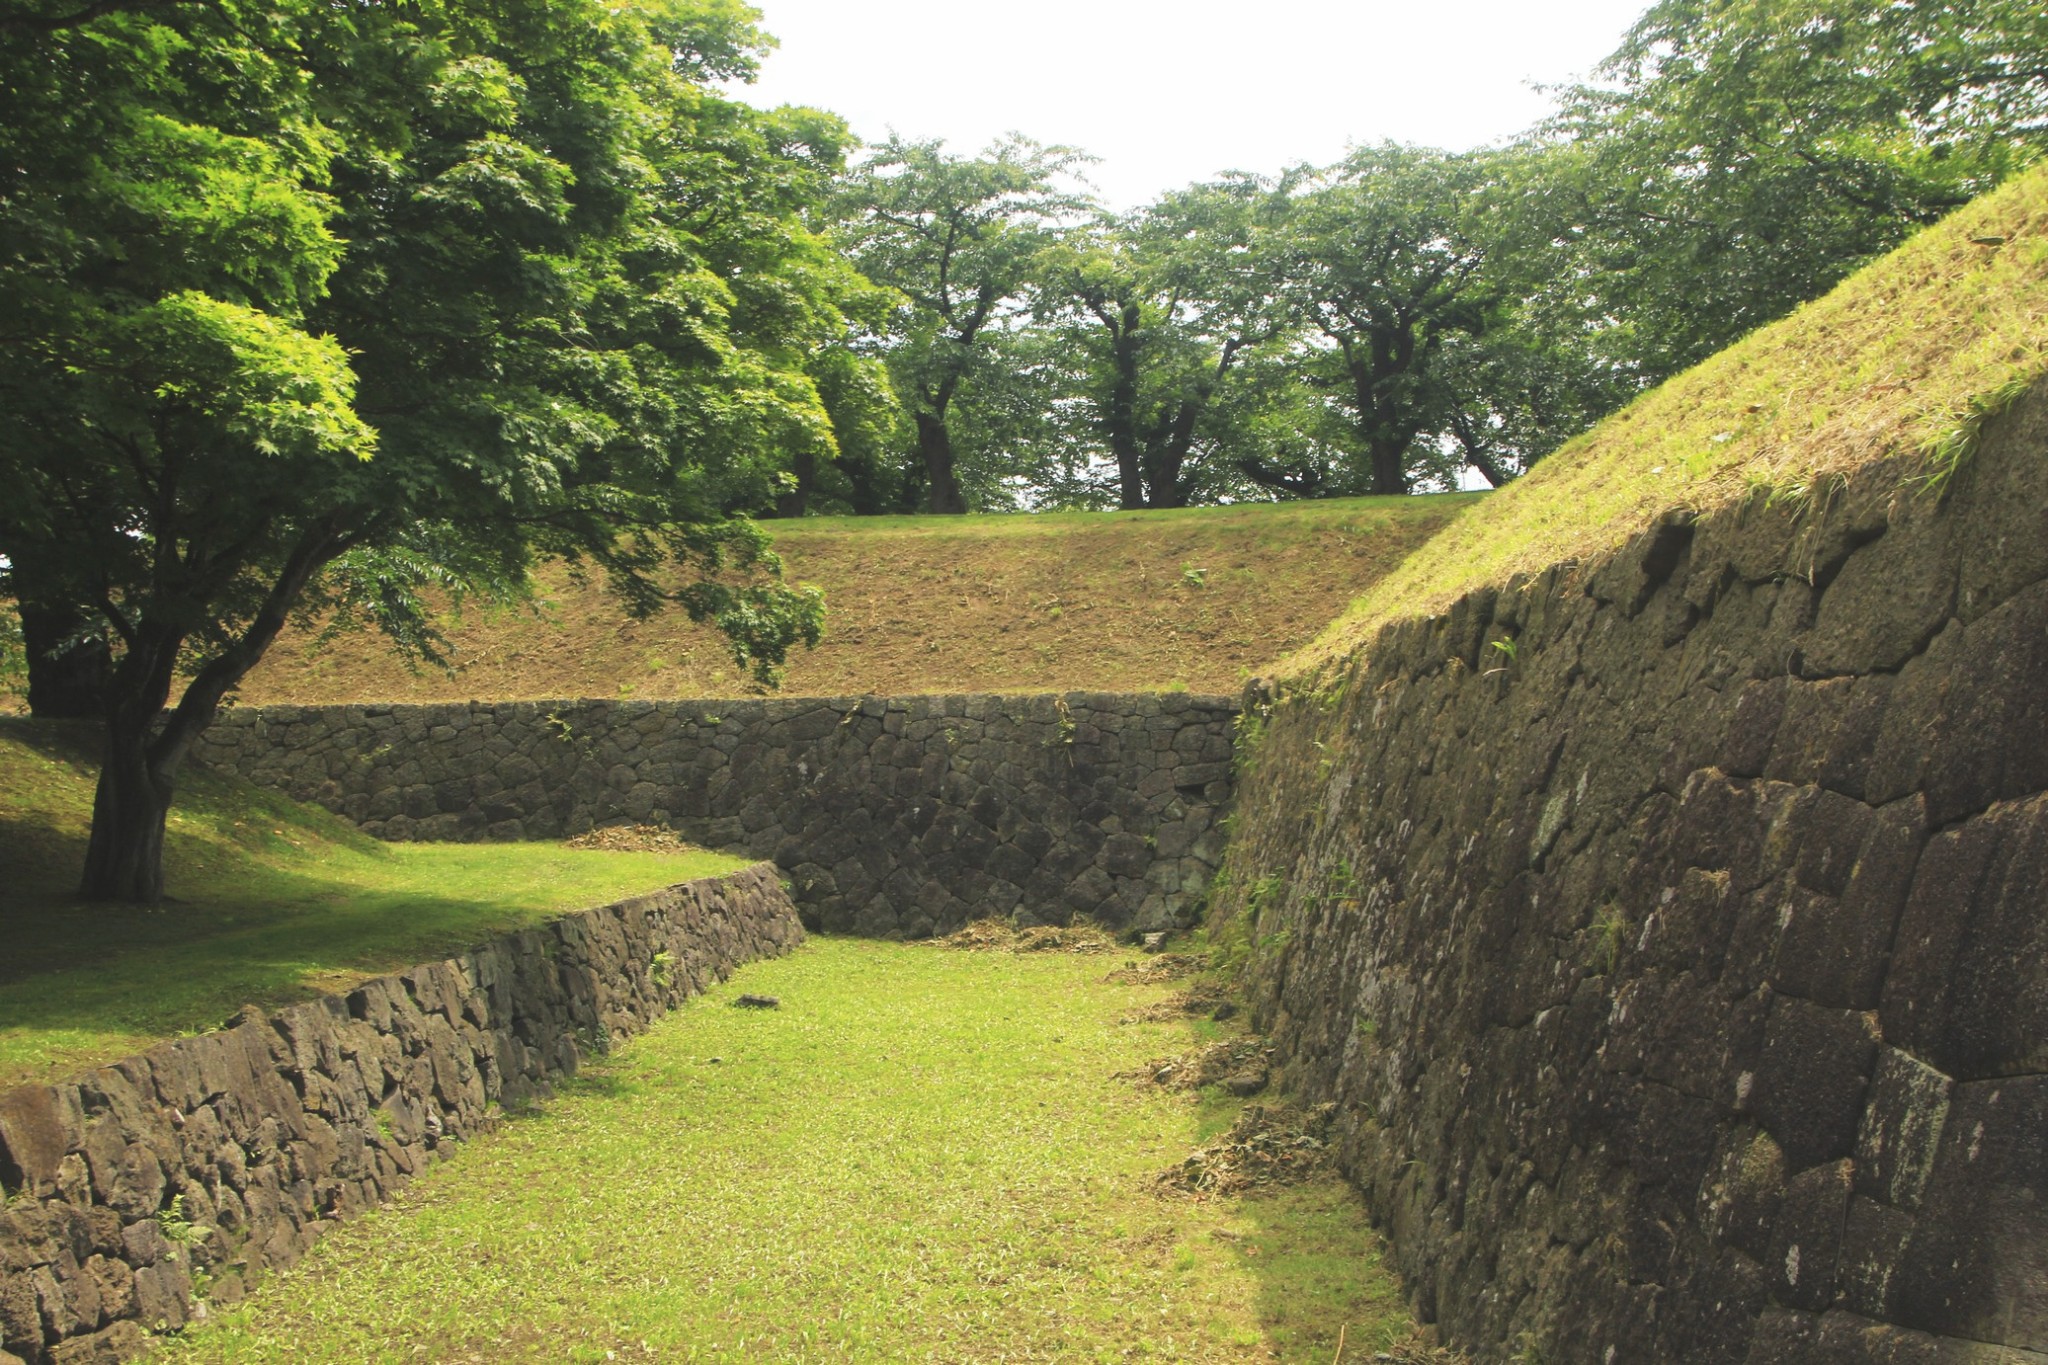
x=1339, y=883
x=322, y=307
x=1608, y=934
x=1263, y=893
x=177, y=1229
x=1250, y=737
x=870, y=430
x=957, y=238
x=1885, y=364
x=1065, y=726
x=13, y=651
x=1384, y=257
x=1158, y=315
x=1390, y=321
x=1741, y=156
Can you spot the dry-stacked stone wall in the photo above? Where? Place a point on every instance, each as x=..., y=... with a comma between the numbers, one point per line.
x=1680, y=966
x=891, y=816
x=222, y=1155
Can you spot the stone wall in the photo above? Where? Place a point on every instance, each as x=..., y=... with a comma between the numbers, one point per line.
x=891, y=817
x=229, y=1153
x=1681, y=968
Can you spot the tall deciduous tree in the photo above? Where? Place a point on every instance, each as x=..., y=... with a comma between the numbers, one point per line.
x=960, y=238
x=1384, y=257
x=1738, y=157
x=313, y=304
x=1164, y=306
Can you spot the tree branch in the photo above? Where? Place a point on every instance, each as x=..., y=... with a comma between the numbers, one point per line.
x=53, y=23
x=195, y=710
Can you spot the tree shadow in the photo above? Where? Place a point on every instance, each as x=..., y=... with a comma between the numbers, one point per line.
x=270, y=906
x=1323, y=1274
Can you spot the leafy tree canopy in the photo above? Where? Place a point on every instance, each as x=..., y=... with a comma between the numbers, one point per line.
x=959, y=239
x=1162, y=308
x=1738, y=157
x=312, y=305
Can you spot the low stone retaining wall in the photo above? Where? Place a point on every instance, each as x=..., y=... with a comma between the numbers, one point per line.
x=229, y=1153
x=892, y=817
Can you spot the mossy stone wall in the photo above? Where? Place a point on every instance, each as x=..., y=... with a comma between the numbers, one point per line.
x=891, y=817
x=1673, y=932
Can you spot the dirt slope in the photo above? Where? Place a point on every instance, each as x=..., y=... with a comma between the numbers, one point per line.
x=1100, y=601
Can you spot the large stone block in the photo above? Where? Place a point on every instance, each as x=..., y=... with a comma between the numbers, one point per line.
x=1965, y=990
x=1811, y=1078
x=1977, y=1264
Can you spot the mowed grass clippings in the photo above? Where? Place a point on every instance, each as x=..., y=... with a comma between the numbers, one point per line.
x=922, y=1155
x=271, y=902
x=1893, y=362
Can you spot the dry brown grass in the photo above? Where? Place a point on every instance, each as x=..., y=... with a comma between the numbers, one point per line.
x=1095, y=601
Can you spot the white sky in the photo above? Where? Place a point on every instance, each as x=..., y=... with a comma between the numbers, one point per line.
x=1167, y=92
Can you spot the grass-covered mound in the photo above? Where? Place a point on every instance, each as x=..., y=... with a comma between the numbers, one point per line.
x=273, y=902
x=1905, y=358
x=1093, y=601
x=923, y=1155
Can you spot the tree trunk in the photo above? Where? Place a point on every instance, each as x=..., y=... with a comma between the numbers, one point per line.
x=1389, y=466
x=1490, y=469
x=125, y=859
x=1123, y=409
x=876, y=489
x=935, y=448
x=1386, y=446
x=64, y=683
x=1386, y=422
x=794, y=502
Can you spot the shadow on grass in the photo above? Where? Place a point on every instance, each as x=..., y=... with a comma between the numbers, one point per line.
x=272, y=902
x=87, y=980
x=1322, y=1273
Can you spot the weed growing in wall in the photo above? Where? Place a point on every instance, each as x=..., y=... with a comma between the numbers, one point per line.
x=1609, y=928
x=1948, y=450
x=1251, y=725
x=179, y=1230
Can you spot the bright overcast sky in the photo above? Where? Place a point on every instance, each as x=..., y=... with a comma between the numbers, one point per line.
x=1167, y=92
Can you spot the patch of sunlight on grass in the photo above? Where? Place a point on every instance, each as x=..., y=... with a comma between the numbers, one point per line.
x=922, y=1155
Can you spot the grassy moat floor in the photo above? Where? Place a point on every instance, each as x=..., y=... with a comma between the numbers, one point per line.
x=925, y=1154
x=928, y=1152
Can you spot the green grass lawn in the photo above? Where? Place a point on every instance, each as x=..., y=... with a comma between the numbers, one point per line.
x=924, y=1154
x=271, y=902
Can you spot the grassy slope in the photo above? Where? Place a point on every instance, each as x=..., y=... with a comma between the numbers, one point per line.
x=938, y=1163
x=274, y=902
x=1889, y=363
x=939, y=604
